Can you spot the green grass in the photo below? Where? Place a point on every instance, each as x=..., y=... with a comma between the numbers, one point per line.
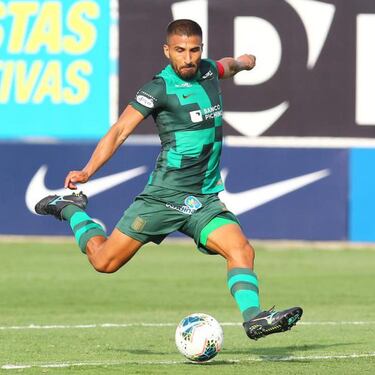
x=53, y=284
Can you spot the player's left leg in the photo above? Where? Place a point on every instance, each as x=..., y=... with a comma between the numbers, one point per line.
x=106, y=254
x=71, y=208
x=226, y=238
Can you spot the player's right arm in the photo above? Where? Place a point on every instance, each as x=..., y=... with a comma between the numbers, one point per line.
x=107, y=146
x=150, y=97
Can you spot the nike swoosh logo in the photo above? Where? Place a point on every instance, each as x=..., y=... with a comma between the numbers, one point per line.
x=37, y=188
x=59, y=199
x=247, y=200
x=269, y=318
x=186, y=96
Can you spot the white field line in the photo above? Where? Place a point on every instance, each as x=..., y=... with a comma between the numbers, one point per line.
x=127, y=325
x=234, y=361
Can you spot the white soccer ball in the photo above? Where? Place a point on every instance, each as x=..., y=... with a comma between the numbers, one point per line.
x=199, y=337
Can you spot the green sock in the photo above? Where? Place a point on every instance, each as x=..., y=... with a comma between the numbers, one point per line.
x=243, y=285
x=82, y=225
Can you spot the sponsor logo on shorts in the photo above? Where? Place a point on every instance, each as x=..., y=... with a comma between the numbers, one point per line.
x=184, y=209
x=138, y=224
x=193, y=202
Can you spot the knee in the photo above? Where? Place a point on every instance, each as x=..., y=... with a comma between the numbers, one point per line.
x=243, y=254
x=100, y=260
x=105, y=268
x=105, y=265
x=247, y=251
x=250, y=251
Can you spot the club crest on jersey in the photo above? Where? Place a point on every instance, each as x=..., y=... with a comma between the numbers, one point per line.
x=192, y=202
x=196, y=116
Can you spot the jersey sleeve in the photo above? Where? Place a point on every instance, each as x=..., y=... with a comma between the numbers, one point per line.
x=208, y=64
x=150, y=97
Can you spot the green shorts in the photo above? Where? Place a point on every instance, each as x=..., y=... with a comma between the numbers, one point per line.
x=157, y=212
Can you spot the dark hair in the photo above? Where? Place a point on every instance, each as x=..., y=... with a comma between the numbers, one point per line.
x=183, y=27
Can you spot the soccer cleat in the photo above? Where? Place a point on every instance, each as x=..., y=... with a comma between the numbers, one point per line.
x=54, y=204
x=269, y=322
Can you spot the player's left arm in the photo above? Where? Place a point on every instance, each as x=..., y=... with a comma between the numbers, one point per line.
x=231, y=66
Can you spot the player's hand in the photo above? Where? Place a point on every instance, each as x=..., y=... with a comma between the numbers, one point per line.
x=75, y=177
x=247, y=62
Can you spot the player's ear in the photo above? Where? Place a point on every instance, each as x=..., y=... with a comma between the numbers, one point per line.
x=166, y=50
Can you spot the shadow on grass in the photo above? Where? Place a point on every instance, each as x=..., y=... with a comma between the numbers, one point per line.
x=141, y=351
x=269, y=354
x=285, y=351
x=213, y=362
x=272, y=354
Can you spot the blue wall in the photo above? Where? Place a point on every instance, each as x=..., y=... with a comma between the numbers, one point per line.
x=279, y=193
x=362, y=195
x=283, y=193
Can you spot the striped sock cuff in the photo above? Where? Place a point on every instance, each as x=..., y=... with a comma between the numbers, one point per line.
x=242, y=276
x=84, y=228
x=243, y=285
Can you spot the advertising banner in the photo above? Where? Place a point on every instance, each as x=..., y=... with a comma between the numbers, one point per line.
x=314, y=75
x=288, y=193
x=42, y=172
x=54, y=68
x=276, y=193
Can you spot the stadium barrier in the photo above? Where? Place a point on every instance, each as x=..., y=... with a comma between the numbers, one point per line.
x=278, y=193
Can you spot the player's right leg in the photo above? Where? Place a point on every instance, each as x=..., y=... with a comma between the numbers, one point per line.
x=105, y=254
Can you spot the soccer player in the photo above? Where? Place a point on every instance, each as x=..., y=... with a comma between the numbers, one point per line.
x=182, y=192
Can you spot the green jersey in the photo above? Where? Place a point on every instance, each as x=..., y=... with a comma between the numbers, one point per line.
x=188, y=115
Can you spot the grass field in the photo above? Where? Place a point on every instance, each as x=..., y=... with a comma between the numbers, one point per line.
x=53, y=288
